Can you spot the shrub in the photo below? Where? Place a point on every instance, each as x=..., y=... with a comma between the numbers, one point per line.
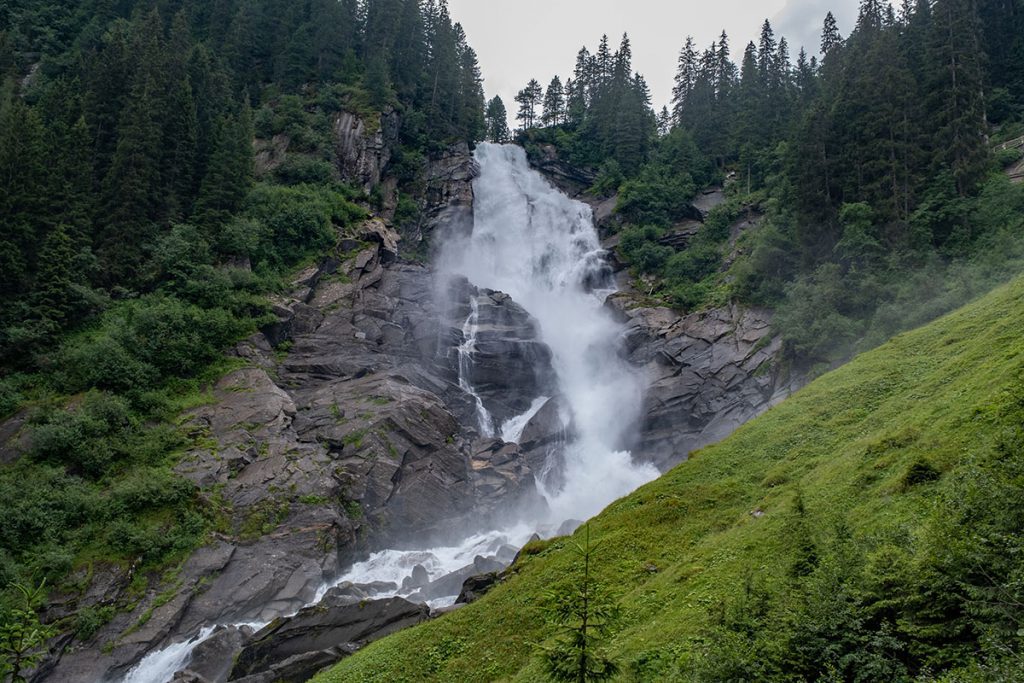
x=97, y=360
x=176, y=338
x=693, y=264
x=298, y=170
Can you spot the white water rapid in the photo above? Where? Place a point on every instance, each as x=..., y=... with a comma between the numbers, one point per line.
x=532, y=242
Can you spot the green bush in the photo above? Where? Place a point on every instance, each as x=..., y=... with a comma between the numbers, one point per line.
x=299, y=219
x=658, y=197
x=299, y=170
x=97, y=360
x=693, y=264
x=609, y=178
x=10, y=395
x=176, y=338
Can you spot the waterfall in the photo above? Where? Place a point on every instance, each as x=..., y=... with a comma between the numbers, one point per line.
x=539, y=246
x=469, y=330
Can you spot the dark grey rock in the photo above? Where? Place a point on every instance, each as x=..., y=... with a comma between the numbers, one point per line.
x=322, y=627
x=212, y=659
x=475, y=587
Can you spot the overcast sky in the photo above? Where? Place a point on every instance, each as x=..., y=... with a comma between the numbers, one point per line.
x=525, y=39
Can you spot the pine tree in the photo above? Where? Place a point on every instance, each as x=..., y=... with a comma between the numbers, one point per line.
x=410, y=52
x=664, y=122
x=830, y=37
x=725, y=70
x=53, y=296
x=180, y=126
x=584, y=615
x=686, y=78
x=554, y=103
x=24, y=181
x=470, y=121
x=230, y=170
x=133, y=197
x=529, y=98
x=767, y=54
x=603, y=63
x=497, y=121
x=958, y=100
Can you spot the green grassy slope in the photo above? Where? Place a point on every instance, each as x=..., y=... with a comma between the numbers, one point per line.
x=898, y=458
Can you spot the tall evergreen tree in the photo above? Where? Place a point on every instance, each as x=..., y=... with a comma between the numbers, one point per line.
x=497, y=121
x=958, y=99
x=229, y=173
x=529, y=98
x=830, y=36
x=554, y=103
x=685, y=80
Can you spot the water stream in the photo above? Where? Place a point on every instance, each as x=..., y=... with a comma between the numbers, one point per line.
x=534, y=243
x=469, y=331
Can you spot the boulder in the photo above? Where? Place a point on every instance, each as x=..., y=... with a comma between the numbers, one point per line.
x=211, y=660
x=417, y=579
x=338, y=623
x=475, y=587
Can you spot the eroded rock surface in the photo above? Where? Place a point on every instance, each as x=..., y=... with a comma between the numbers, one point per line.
x=708, y=374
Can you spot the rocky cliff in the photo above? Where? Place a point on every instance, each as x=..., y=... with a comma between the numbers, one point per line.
x=344, y=429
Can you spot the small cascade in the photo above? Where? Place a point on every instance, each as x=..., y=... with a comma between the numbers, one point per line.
x=512, y=428
x=160, y=666
x=466, y=349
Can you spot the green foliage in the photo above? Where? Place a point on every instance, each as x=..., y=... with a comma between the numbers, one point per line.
x=656, y=197
x=22, y=635
x=298, y=220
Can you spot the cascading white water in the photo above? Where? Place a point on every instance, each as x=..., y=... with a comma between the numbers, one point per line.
x=160, y=666
x=466, y=349
x=512, y=429
x=534, y=243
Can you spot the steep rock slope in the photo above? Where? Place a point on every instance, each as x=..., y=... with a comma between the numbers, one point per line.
x=344, y=429
x=860, y=456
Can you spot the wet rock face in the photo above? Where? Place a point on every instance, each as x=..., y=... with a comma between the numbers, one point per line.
x=510, y=366
x=708, y=374
x=449, y=195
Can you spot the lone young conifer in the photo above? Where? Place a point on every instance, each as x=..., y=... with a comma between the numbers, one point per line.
x=584, y=614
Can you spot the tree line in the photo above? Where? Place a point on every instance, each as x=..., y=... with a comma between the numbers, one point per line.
x=119, y=120
x=869, y=152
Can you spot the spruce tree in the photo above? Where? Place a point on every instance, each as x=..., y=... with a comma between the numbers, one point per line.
x=957, y=87
x=497, y=121
x=529, y=98
x=830, y=37
x=133, y=196
x=229, y=174
x=686, y=78
x=554, y=103
x=470, y=122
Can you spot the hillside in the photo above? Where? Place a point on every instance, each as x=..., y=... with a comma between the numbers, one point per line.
x=826, y=540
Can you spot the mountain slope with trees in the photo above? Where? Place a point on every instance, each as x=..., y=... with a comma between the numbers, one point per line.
x=139, y=240
x=870, y=165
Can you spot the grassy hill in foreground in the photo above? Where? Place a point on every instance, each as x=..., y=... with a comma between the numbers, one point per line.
x=865, y=530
